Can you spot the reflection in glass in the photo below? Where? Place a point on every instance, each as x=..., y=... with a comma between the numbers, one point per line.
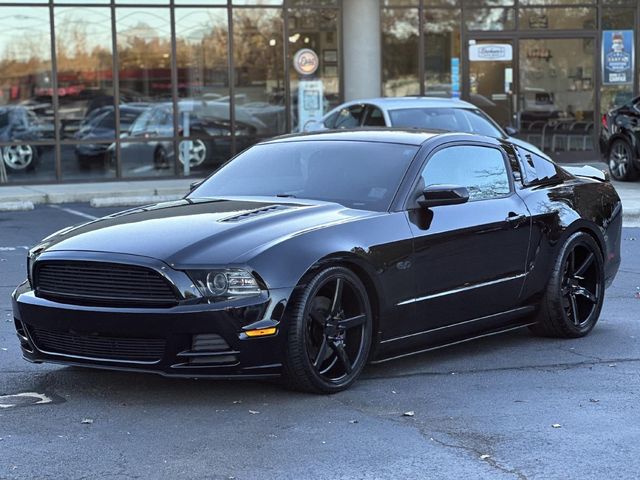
x=400, y=52
x=208, y=142
x=490, y=19
x=441, y=45
x=85, y=65
x=558, y=18
x=259, y=74
x=203, y=74
x=557, y=93
x=144, y=54
x=26, y=88
x=317, y=30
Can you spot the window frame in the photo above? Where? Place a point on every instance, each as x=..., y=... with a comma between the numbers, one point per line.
x=410, y=202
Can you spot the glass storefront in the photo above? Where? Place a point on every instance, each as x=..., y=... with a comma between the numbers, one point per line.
x=131, y=89
x=109, y=89
x=534, y=65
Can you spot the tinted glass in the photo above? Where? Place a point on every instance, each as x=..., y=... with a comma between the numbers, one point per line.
x=481, y=169
x=449, y=119
x=375, y=118
x=350, y=117
x=537, y=168
x=355, y=174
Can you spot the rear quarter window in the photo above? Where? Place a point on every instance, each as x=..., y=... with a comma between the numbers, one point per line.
x=537, y=169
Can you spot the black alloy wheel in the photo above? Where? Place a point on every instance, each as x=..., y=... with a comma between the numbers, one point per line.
x=621, y=160
x=329, y=336
x=574, y=296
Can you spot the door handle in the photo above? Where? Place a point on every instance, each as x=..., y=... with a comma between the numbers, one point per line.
x=515, y=220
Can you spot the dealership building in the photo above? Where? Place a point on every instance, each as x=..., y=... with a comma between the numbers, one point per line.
x=122, y=89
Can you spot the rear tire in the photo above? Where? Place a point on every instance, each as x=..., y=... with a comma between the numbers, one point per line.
x=573, y=299
x=329, y=333
x=621, y=161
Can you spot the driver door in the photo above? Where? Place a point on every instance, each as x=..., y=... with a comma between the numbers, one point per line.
x=469, y=259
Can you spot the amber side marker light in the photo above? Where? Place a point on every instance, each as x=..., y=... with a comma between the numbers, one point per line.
x=263, y=332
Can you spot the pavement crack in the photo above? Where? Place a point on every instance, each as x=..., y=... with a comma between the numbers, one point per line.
x=582, y=355
x=488, y=460
x=541, y=367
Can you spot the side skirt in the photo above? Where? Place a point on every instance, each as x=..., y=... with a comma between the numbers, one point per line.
x=449, y=335
x=437, y=347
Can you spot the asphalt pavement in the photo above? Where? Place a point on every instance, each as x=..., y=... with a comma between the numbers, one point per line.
x=508, y=407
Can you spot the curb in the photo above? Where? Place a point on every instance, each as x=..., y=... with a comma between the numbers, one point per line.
x=16, y=206
x=132, y=201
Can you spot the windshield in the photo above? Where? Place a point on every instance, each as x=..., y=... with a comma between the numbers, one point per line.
x=465, y=120
x=362, y=175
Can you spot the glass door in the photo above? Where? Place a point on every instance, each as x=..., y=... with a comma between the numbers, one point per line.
x=490, y=78
x=556, y=95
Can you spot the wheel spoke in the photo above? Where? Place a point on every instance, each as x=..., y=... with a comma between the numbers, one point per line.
x=342, y=355
x=352, y=322
x=574, y=309
x=322, y=353
x=584, y=266
x=585, y=293
x=336, y=304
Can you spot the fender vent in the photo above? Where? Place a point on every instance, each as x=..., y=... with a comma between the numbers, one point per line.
x=254, y=213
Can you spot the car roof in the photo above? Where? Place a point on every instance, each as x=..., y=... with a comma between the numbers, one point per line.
x=387, y=135
x=391, y=103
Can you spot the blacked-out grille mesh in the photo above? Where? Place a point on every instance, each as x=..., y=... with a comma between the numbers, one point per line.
x=102, y=283
x=98, y=346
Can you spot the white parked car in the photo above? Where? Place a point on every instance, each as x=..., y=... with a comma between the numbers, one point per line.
x=428, y=113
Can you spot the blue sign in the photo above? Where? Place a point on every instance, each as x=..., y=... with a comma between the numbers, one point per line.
x=455, y=77
x=617, y=57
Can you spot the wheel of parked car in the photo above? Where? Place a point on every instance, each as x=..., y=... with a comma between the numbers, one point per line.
x=621, y=158
x=329, y=332
x=572, y=302
x=19, y=157
x=197, y=152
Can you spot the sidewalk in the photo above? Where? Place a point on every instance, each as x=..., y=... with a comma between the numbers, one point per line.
x=102, y=194
x=124, y=194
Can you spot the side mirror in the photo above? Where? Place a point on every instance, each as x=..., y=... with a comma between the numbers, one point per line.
x=440, y=195
x=511, y=131
x=195, y=185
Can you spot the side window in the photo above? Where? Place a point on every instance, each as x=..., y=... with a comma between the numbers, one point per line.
x=536, y=168
x=330, y=121
x=350, y=117
x=375, y=117
x=481, y=169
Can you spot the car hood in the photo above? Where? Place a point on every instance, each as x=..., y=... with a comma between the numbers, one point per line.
x=201, y=232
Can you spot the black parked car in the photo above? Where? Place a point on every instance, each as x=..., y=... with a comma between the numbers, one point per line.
x=100, y=126
x=620, y=140
x=18, y=124
x=307, y=256
x=209, y=132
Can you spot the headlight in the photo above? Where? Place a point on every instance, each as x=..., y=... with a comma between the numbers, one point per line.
x=227, y=283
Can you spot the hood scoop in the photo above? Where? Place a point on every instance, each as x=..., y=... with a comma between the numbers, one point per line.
x=253, y=213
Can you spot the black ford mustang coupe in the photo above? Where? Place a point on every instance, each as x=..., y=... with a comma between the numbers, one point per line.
x=307, y=256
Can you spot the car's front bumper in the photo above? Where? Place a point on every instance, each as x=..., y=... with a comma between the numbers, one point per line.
x=185, y=332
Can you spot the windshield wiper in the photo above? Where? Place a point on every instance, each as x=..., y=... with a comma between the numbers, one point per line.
x=285, y=195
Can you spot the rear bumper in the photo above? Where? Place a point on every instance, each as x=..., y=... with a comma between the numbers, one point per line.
x=174, y=341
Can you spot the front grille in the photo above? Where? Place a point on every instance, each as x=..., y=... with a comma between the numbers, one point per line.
x=103, y=284
x=97, y=346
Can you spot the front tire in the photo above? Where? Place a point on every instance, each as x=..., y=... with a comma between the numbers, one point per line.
x=329, y=333
x=573, y=300
x=621, y=161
